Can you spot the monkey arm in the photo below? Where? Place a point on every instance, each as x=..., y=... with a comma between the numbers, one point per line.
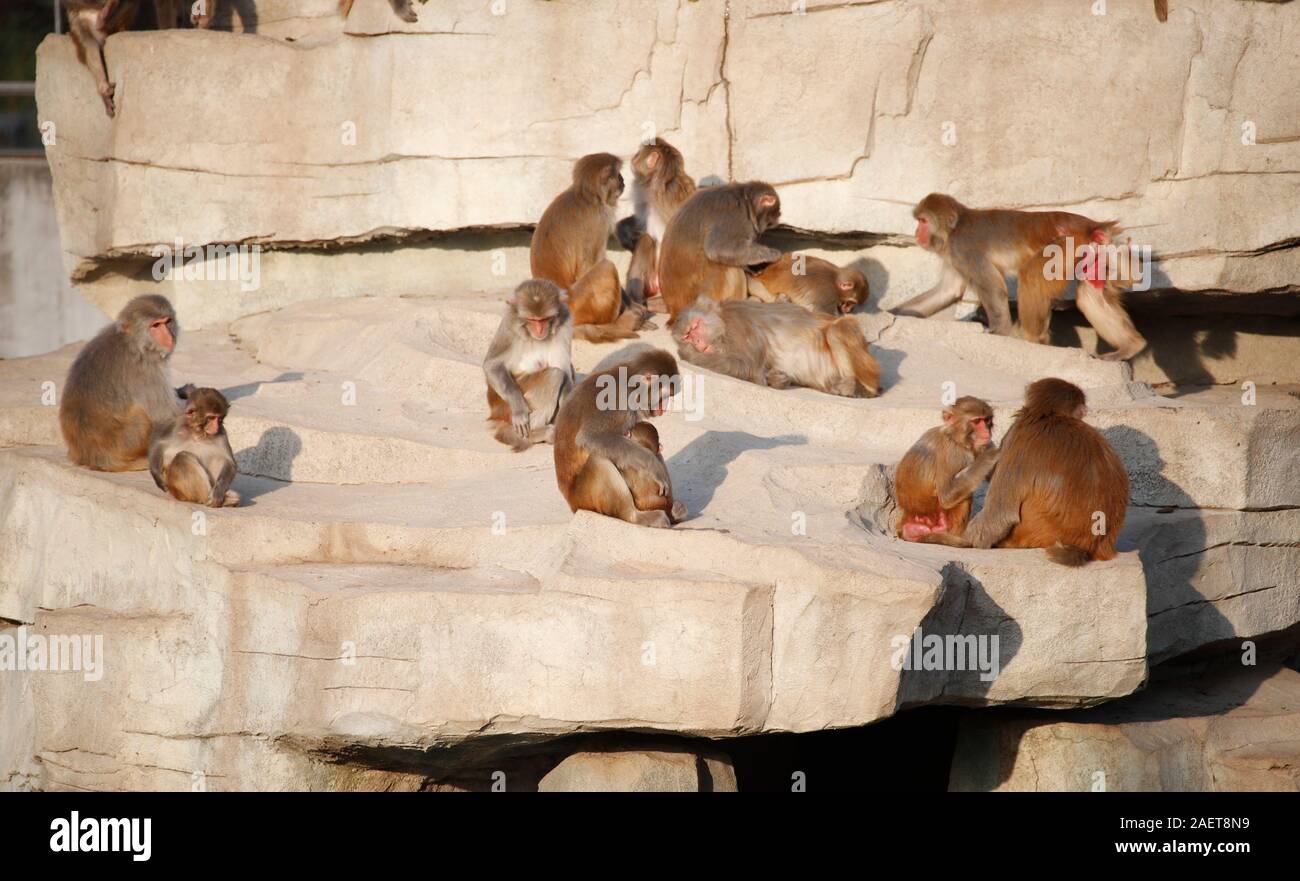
x=966, y=481
x=156, y=451
x=222, y=484
x=723, y=246
x=503, y=381
x=946, y=291
x=750, y=371
x=626, y=455
x=994, y=522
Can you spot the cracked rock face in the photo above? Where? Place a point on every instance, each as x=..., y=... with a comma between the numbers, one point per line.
x=368, y=615
x=897, y=100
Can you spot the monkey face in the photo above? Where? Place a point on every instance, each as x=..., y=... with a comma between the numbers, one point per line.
x=205, y=411
x=539, y=328
x=981, y=430
x=697, y=335
x=852, y=290
x=160, y=329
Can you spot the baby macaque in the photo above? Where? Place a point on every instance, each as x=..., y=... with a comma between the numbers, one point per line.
x=192, y=460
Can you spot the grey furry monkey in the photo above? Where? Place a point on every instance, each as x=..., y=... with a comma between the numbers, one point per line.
x=778, y=345
x=118, y=388
x=529, y=365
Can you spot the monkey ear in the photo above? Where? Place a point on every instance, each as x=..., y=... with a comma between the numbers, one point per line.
x=766, y=200
x=653, y=159
x=948, y=415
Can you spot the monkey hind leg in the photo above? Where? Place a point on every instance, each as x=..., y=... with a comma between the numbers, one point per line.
x=1104, y=309
x=506, y=434
x=187, y=479
x=600, y=487
x=1068, y=555
x=852, y=356
x=1034, y=295
x=544, y=392
x=595, y=298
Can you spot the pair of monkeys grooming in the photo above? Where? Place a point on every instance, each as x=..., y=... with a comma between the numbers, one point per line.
x=1056, y=484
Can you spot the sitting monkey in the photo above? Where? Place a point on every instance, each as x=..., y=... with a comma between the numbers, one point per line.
x=192, y=458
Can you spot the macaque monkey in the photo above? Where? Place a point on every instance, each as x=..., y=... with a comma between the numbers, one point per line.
x=192, y=460
x=1058, y=484
x=980, y=248
x=935, y=480
x=401, y=8
x=778, y=345
x=660, y=185
x=644, y=487
x=568, y=248
x=528, y=366
x=815, y=284
x=596, y=460
x=90, y=24
x=118, y=388
x=712, y=239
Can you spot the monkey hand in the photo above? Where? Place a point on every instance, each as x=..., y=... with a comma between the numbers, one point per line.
x=777, y=379
x=519, y=418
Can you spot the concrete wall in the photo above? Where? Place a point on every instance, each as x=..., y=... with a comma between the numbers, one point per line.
x=39, y=308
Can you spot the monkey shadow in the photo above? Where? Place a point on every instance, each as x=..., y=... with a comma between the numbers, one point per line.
x=700, y=467
x=959, y=648
x=267, y=465
x=235, y=392
x=1170, y=545
x=877, y=283
x=890, y=360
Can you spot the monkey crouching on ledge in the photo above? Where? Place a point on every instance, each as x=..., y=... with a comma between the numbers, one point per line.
x=192, y=459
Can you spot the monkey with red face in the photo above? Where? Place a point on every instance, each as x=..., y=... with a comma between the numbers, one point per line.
x=192, y=460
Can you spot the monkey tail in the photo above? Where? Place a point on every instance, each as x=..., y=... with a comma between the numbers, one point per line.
x=1068, y=555
x=602, y=333
x=852, y=354
x=1162, y=10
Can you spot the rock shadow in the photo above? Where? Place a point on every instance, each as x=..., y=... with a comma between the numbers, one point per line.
x=700, y=467
x=235, y=392
x=267, y=465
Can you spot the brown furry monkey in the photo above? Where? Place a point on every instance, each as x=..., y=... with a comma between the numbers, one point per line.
x=118, y=389
x=1058, y=485
x=815, y=284
x=778, y=345
x=90, y=24
x=645, y=487
x=935, y=480
x=660, y=185
x=568, y=248
x=980, y=248
x=593, y=451
x=192, y=460
x=528, y=366
x=712, y=239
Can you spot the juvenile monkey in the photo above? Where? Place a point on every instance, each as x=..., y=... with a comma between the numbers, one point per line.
x=660, y=185
x=644, y=487
x=568, y=248
x=118, y=388
x=528, y=366
x=90, y=24
x=192, y=460
x=980, y=248
x=778, y=345
x=712, y=239
x=594, y=454
x=1058, y=485
x=815, y=284
x=935, y=480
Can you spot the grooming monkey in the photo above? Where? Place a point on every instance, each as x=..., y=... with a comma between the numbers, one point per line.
x=90, y=24
x=118, y=388
x=980, y=248
x=815, y=284
x=778, y=345
x=595, y=457
x=1058, y=484
x=935, y=480
x=712, y=239
x=192, y=460
x=528, y=366
x=568, y=248
x=660, y=185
